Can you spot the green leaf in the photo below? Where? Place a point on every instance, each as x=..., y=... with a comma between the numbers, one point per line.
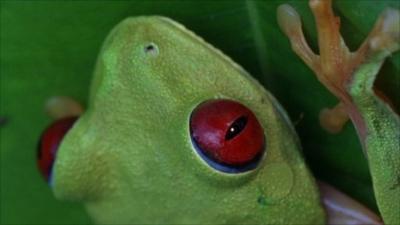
x=49, y=48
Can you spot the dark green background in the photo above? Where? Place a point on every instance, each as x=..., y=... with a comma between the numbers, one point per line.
x=49, y=48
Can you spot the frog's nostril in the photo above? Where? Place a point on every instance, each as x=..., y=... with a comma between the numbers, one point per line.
x=49, y=143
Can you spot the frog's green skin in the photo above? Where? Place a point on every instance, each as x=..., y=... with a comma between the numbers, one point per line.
x=350, y=77
x=381, y=140
x=130, y=157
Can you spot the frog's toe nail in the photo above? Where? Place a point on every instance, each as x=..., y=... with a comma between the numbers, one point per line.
x=288, y=19
x=341, y=209
x=387, y=35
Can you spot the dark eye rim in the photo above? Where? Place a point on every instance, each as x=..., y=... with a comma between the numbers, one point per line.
x=222, y=167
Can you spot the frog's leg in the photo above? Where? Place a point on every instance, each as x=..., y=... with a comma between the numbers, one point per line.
x=59, y=107
x=350, y=77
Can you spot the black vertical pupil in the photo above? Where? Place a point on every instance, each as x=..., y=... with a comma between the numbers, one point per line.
x=237, y=126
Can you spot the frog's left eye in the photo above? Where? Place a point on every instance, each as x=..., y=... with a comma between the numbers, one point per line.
x=49, y=143
x=227, y=135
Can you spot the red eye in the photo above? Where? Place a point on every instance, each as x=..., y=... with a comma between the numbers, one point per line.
x=227, y=135
x=49, y=143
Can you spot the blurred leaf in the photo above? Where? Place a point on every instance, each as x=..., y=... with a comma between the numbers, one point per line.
x=49, y=48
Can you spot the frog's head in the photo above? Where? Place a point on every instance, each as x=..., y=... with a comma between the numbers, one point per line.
x=176, y=132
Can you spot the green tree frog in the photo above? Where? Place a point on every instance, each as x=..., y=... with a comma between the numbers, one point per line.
x=175, y=132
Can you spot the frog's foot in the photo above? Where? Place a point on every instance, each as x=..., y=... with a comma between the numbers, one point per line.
x=341, y=209
x=59, y=107
x=336, y=67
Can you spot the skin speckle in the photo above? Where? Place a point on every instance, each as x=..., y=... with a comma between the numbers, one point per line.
x=263, y=100
x=262, y=200
x=396, y=184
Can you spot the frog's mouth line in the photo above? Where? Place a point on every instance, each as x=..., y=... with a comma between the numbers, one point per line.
x=341, y=209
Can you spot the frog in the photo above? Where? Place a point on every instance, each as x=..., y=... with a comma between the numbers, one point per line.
x=176, y=132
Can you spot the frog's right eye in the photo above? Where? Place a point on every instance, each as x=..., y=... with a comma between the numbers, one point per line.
x=49, y=143
x=227, y=135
